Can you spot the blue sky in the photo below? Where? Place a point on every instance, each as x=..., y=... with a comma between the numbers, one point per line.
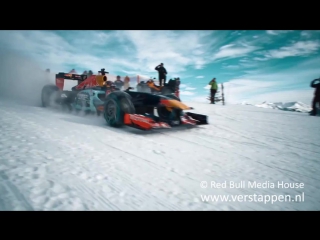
x=255, y=66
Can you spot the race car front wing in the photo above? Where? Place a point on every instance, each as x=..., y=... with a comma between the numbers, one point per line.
x=147, y=123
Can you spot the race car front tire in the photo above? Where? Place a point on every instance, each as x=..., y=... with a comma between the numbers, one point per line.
x=117, y=104
x=169, y=116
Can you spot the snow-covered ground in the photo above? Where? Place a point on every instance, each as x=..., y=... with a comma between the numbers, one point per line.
x=51, y=160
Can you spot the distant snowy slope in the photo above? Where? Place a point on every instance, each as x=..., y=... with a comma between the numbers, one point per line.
x=289, y=106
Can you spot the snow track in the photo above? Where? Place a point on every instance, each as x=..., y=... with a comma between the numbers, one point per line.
x=57, y=161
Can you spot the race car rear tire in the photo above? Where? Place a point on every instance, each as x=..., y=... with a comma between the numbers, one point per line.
x=46, y=94
x=117, y=104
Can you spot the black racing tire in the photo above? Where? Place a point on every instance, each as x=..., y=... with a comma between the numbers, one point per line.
x=117, y=104
x=165, y=114
x=46, y=94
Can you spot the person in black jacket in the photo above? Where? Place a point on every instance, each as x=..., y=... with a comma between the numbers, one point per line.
x=162, y=74
x=316, y=98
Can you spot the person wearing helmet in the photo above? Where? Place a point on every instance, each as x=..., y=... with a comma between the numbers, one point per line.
x=316, y=98
x=118, y=83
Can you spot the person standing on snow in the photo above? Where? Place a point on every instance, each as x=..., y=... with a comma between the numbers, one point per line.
x=213, y=89
x=316, y=98
x=162, y=74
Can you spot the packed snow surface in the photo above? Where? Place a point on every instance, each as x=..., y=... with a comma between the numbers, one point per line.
x=50, y=160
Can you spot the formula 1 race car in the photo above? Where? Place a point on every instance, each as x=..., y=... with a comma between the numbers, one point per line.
x=136, y=109
x=119, y=108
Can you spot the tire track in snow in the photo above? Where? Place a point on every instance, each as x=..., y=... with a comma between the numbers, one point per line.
x=166, y=167
x=45, y=131
x=9, y=193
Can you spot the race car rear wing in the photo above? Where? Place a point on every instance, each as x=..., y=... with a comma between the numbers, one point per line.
x=60, y=77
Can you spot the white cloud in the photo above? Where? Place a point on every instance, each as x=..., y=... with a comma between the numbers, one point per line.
x=312, y=63
x=190, y=88
x=171, y=48
x=276, y=86
x=252, y=72
x=255, y=40
x=260, y=59
x=277, y=32
x=186, y=93
x=137, y=52
x=248, y=64
x=236, y=33
x=200, y=77
x=306, y=34
x=200, y=99
x=238, y=90
x=233, y=51
x=243, y=60
x=301, y=95
x=231, y=67
x=300, y=48
x=272, y=32
x=55, y=52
